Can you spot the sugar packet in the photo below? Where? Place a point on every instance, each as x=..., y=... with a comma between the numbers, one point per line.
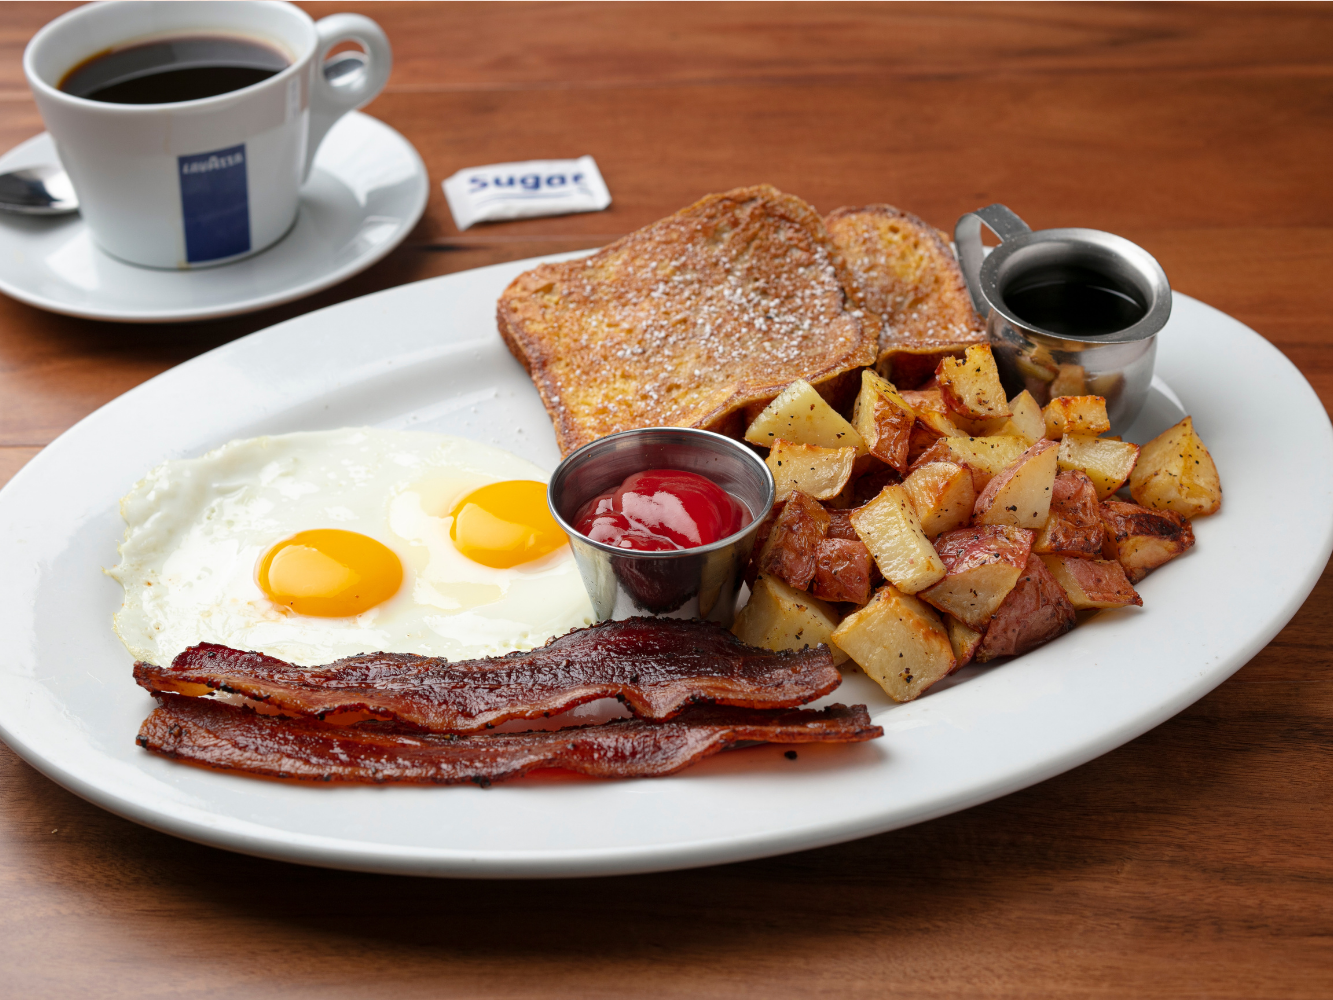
x=525, y=190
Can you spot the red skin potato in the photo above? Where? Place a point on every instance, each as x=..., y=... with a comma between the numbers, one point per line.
x=840, y=525
x=1075, y=525
x=1104, y=581
x=1036, y=611
x=966, y=649
x=940, y=452
x=981, y=564
x=789, y=551
x=842, y=571
x=894, y=428
x=986, y=499
x=1141, y=539
x=966, y=548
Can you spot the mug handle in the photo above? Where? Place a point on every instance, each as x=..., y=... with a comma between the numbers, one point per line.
x=348, y=82
x=967, y=238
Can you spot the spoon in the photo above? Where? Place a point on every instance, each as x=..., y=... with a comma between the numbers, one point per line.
x=40, y=190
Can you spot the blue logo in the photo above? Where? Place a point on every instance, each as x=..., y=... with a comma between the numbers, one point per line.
x=215, y=203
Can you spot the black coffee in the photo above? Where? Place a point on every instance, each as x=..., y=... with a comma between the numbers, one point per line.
x=1075, y=301
x=174, y=69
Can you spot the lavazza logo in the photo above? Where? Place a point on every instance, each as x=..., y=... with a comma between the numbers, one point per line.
x=213, y=163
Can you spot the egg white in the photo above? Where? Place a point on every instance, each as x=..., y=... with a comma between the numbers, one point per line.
x=196, y=529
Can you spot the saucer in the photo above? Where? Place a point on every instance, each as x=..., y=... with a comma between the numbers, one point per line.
x=366, y=191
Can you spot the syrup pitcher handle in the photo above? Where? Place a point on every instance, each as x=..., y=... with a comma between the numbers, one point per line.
x=349, y=80
x=967, y=238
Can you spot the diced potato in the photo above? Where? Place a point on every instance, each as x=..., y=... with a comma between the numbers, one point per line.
x=1075, y=415
x=790, y=549
x=933, y=421
x=801, y=416
x=1070, y=380
x=1092, y=583
x=942, y=494
x=842, y=570
x=964, y=641
x=931, y=413
x=1107, y=463
x=1021, y=494
x=840, y=524
x=1175, y=472
x=1035, y=612
x=1027, y=421
x=1141, y=539
x=1074, y=526
x=892, y=532
x=971, y=386
x=898, y=641
x=986, y=455
x=982, y=565
x=821, y=472
x=884, y=420
x=778, y=616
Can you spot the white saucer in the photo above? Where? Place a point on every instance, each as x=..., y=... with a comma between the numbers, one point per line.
x=366, y=191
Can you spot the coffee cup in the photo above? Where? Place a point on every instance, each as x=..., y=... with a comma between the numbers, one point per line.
x=1069, y=312
x=197, y=182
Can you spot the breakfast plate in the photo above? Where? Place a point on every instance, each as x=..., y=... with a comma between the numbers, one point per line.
x=366, y=191
x=426, y=356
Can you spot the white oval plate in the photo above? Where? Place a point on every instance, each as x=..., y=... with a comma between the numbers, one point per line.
x=427, y=356
x=366, y=191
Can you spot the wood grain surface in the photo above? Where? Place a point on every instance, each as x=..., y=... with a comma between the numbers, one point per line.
x=1195, y=861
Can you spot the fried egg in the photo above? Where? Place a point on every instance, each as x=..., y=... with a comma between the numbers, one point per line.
x=318, y=545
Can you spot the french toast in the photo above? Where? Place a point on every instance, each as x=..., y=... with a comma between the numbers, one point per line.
x=904, y=272
x=688, y=321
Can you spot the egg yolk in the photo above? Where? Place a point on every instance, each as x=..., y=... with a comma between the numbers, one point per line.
x=504, y=524
x=330, y=573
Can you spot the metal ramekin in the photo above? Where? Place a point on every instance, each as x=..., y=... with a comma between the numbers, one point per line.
x=701, y=582
x=1118, y=365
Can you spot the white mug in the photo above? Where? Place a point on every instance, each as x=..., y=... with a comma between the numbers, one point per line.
x=203, y=182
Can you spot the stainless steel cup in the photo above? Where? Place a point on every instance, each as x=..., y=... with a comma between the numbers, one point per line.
x=701, y=582
x=1118, y=364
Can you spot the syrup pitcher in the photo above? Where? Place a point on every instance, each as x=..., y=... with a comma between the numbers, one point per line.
x=1069, y=312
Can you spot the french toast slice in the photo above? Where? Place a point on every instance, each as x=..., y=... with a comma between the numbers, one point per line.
x=688, y=321
x=904, y=272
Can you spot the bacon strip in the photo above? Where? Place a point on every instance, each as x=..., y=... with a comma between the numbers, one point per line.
x=656, y=666
x=215, y=734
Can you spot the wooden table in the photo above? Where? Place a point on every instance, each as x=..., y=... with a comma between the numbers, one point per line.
x=1194, y=861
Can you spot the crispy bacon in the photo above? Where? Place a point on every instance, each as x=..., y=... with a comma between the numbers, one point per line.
x=207, y=732
x=656, y=666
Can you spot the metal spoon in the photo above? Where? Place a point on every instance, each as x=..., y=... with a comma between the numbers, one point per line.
x=40, y=190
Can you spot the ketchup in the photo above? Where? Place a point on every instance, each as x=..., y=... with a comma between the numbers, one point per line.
x=662, y=509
